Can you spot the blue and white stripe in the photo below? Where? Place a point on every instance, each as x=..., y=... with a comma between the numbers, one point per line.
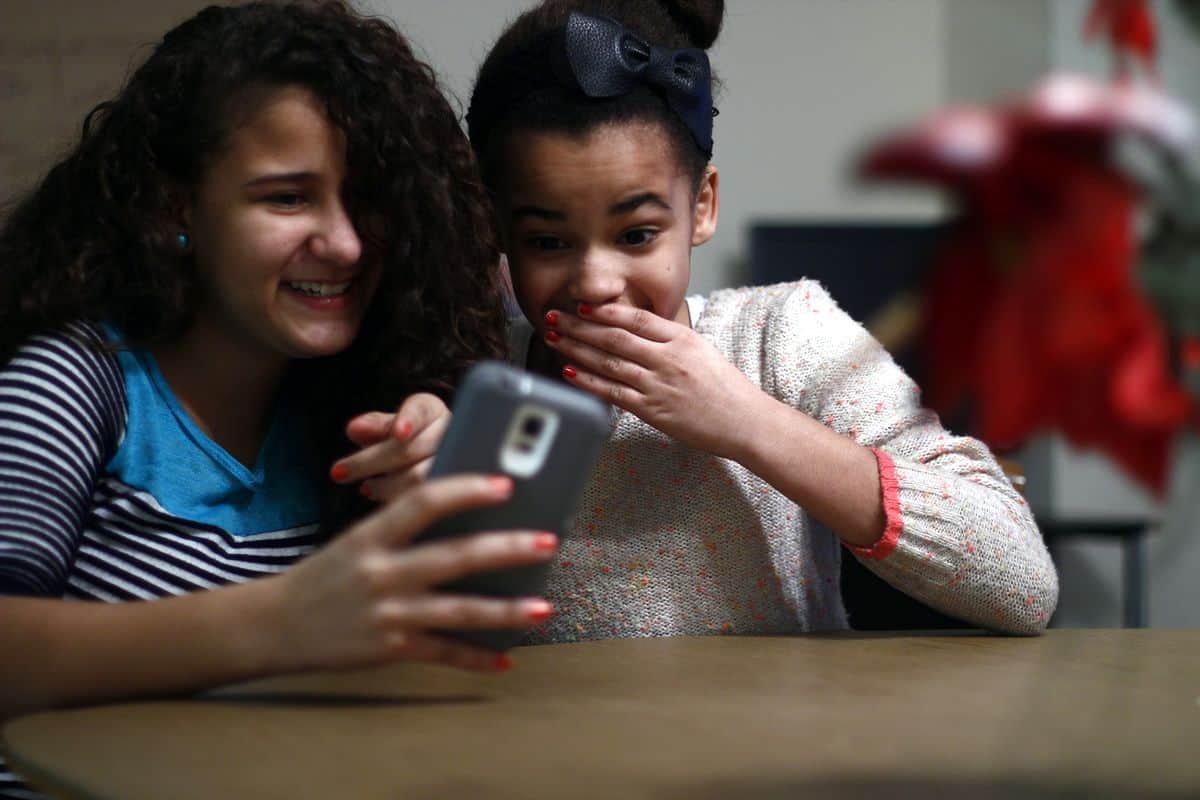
x=70, y=530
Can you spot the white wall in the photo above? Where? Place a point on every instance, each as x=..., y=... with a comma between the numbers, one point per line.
x=994, y=49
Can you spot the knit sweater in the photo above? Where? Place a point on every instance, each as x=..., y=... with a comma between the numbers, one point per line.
x=670, y=540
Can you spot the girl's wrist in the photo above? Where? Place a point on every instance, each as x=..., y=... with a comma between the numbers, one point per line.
x=754, y=436
x=260, y=640
x=829, y=475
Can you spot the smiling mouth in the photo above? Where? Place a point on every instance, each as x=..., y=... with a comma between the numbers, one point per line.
x=319, y=289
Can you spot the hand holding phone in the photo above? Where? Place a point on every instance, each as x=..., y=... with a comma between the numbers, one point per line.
x=543, y=434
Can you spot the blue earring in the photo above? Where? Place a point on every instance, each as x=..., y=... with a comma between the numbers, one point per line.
x=184, y=241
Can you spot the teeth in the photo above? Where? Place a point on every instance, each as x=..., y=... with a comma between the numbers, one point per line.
x=315, y=289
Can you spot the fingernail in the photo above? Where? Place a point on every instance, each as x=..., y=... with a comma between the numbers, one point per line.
x=585, y=309
x=501, y=483
x=539, y=611
x=552, y=336
x=545, y=542
x=551, y=317
x=404, y=431
x=569, y=372
x=339, y=472
x=365, y=490
x=502, y=663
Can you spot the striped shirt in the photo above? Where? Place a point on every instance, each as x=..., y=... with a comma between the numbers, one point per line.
x=108, y=490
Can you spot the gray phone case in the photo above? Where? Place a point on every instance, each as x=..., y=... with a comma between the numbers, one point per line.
x=492, y=399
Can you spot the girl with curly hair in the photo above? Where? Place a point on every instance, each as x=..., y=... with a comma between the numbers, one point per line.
x=274, y=226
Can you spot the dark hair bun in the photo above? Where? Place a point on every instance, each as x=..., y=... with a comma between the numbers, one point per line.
x=700, y=20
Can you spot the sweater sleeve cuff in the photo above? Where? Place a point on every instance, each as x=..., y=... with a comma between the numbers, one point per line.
x=894, y=522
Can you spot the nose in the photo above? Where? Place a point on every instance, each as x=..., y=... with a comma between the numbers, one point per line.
x=336, y=240
x=596, y=279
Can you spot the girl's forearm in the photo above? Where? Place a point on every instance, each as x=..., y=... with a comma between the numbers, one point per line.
x=59, y=652
x=833, y=478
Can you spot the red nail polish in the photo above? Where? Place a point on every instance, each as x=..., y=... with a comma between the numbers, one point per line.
x=545, y=542
x=569, y=372
x=540, y=612
x=365, y=491
x=552, y=336
x=502, y=663
x=405, y=431
x=339, y=472
x=551, y=317
x=585, y=309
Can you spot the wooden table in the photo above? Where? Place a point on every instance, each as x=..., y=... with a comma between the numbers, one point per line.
x=1074, y=713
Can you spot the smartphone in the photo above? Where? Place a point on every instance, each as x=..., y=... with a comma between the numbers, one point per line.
x=543, y=434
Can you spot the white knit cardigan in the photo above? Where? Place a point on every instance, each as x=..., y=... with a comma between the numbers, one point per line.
x=670, y=540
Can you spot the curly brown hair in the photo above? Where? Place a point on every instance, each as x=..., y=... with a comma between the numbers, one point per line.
x=96, y=240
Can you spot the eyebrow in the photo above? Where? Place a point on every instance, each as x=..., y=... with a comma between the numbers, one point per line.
x=637, y=201
x=623, y=207
x=522, y=212
x=280, y=177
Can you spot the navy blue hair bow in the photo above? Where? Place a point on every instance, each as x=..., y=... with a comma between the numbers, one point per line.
x=606, y=60
x=600, y=58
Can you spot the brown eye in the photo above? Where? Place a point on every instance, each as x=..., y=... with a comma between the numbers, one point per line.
x=544, y=242
x=286, y=199
x=638, y=237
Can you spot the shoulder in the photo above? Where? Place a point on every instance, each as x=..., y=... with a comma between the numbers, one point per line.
x=62, y=415
x=78, y=350
x=775, y=302
x=795, y=315
x=69, y=369
x=795, y=335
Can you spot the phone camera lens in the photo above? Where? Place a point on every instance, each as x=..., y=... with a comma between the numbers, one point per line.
x=532, y=426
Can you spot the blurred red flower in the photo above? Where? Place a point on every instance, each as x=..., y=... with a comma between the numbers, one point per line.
x=1033, y=314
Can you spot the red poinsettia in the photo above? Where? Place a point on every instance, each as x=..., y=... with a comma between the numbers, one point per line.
x=1034, y=316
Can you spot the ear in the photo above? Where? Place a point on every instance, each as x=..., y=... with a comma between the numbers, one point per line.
x=704, y=213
